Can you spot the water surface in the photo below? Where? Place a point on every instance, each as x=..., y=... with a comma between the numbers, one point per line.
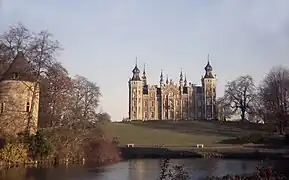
x=142, y=169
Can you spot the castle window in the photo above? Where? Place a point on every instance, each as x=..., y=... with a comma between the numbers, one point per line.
x=15, y=75
x=27, y=107
x=209, y=101
x=153, y=115
x=2, y=107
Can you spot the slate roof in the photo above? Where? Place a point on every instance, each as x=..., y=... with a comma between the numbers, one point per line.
x=19, y=69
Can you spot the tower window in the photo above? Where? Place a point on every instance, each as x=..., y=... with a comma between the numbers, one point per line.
x=15, y=75
x=152, y=115
x=27, y=107
x=2, y=107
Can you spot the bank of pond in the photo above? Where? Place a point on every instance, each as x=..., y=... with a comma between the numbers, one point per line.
x=225, y=153
x=140, y=169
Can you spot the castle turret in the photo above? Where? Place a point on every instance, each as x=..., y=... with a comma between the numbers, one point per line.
x=144, y=77
x=209, y=87
x=19, y=97
x=181, y=79
x=185, y=82
x=161, y=79
x=135, y=95
x=209, y=70
x=167, y=79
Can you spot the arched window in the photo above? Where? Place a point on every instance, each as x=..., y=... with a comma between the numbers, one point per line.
x=27, y=107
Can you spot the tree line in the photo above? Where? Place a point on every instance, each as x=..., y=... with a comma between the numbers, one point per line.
x=267, y=102
x=68, y=106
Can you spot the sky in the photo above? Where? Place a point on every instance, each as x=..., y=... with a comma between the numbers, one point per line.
x=102, y=38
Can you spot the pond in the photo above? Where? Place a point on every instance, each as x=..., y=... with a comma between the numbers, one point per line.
x=138, y=169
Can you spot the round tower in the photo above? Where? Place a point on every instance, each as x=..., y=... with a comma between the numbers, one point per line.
x=19, y=98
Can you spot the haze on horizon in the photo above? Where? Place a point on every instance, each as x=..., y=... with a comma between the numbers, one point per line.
x=101, y=39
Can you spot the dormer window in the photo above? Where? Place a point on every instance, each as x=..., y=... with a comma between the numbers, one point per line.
x=15, y=75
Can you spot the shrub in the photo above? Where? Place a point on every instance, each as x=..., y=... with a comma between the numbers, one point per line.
x=38, y=146
x=14, y=153
x=100, y=152
x=252, y=138
x=172, y=172
x=287, y=139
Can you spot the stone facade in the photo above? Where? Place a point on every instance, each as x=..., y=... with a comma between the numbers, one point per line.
x=170, y=100
x=19, y=99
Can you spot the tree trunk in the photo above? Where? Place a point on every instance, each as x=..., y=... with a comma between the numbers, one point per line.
x=242, y=115
x=281, y=127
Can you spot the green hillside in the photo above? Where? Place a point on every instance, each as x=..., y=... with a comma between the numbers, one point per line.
x=177, y=133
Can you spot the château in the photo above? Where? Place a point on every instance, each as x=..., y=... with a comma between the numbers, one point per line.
x=172, y=100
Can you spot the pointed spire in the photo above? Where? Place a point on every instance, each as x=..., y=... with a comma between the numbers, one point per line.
x=144, y=78
x=161, y=78
x=136, y=69
x=208, y=66
x=185, y=80
x=209, y=69
x=181, y=78
x=167, y=80
x=136, y=72
x=144, y=69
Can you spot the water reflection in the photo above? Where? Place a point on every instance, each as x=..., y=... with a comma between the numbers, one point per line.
x=142, y=169
x=35, y=173
x=13, y=174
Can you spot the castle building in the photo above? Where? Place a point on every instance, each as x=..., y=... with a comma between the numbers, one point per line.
x=170, y=100
x=19, y=98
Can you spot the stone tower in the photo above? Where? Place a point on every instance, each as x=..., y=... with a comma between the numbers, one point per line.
x=135, y=95
x=19, y=98
x=209, y=88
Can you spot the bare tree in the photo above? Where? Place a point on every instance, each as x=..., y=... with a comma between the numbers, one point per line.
x=55, y=96
x=274, y=92
x=257, y=112
x=240, y=94
x=85, y=99
x=17, y=39
x=224, y=109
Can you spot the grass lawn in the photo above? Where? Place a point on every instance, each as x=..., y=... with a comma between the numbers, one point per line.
x=180, y=133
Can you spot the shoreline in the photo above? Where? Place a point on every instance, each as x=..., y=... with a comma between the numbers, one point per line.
x=228, y=153
x=129, y=153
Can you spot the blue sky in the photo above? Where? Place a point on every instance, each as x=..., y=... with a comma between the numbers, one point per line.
x=101, y=38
